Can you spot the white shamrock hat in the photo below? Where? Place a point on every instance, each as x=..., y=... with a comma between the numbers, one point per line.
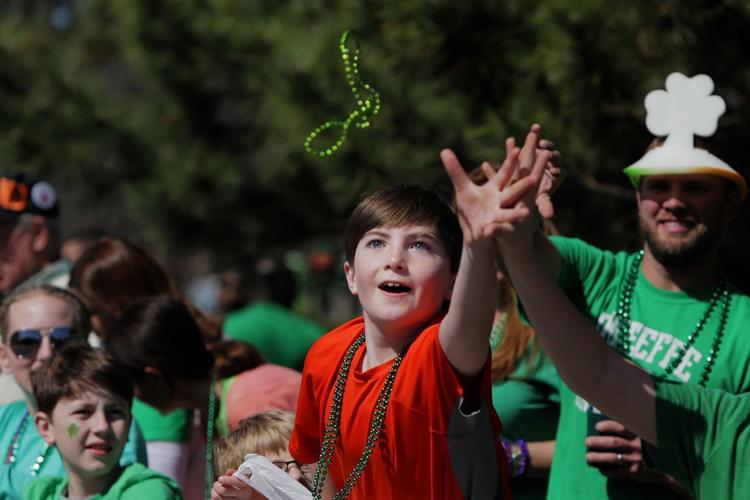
x=685, y=109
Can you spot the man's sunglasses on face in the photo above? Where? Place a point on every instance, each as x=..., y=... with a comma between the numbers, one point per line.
x=25, y=343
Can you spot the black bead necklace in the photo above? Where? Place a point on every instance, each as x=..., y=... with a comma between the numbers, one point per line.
x=334, y=421
x=720, y=296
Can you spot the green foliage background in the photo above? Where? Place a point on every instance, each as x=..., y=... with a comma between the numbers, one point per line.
x=181, y=121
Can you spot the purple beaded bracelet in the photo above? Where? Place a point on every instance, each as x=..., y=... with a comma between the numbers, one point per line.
x=524, y=456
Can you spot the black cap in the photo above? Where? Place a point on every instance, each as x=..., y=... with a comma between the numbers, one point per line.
x=20, y=194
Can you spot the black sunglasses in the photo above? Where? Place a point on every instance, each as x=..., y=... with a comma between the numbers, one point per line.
x=26, y=342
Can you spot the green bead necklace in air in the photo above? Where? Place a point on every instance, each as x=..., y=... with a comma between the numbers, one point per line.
x=720, y=297
x=367, y=98
x=334, y=420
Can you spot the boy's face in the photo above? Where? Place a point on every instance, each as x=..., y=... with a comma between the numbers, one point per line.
x=36, y=319
x=90, y=432
x=401, y=275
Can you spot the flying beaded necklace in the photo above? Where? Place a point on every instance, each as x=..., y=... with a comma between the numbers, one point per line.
x=15, y=443
x=720, y=296
x=334, y=420
x=367, y=98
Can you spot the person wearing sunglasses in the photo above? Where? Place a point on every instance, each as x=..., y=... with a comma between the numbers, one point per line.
x=35, y=322
x=29, y=245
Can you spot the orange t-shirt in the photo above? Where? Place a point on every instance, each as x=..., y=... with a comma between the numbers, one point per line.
x=427, y=448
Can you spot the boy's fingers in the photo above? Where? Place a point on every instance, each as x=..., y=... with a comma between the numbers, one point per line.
x=488, y=171
x=510, y=164
x=513, y=193
x=506, y=221
x=453, y=168
x=528, y=152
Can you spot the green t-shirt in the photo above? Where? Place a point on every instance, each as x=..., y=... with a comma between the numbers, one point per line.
x=528, y=404
x=282, y=337
x=173, y=427
x=13, y=477
x=660, y=324
x=136, y=482
x=704, y=439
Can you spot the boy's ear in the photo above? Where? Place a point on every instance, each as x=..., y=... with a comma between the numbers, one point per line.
x=43, y=423
x=349, y=271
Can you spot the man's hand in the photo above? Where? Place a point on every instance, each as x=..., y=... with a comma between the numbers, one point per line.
x=616, y=452
x=551, y=180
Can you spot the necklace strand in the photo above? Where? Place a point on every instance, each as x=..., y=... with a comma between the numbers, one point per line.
x=210, y=438
x=334, y=420
x=719, y=297
x=12, y=455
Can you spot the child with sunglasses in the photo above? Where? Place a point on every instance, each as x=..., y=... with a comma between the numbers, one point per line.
x=34, y=323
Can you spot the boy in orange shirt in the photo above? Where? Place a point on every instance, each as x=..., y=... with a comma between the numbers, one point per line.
x=396, y=403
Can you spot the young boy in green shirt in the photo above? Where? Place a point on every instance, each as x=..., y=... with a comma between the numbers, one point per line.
x=83, y=401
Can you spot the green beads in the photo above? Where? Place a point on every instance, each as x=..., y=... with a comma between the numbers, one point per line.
x=368, y=101
x=210, y=419
x=334, y=420
x=720, y=296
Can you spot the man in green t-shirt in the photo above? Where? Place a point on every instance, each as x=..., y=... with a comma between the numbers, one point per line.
x=697, y=435
x=669, y=308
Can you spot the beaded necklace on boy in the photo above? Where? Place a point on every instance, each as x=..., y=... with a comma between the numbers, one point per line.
x=15, y=443
x=720, y=294
x=334, y=420
x=210, y=418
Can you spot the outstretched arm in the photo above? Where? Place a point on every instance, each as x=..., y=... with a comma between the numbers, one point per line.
x=591, y=369
x=483, y=211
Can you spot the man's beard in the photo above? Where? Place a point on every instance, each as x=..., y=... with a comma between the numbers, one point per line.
x=682, y=254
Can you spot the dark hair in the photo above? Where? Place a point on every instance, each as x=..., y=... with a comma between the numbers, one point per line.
x=233, y=356
x=76, y=370
x=272, y=280
x=159, y=331
x=81, y=323
x=401, y=205
x=113, y=273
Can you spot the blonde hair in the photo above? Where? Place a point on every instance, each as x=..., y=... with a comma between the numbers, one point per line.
x=264, y=433
x=81, y=323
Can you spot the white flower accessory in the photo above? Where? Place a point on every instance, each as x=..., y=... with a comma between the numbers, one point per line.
x=686, y=108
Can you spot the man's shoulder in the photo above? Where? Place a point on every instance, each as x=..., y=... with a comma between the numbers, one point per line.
x=56, y=273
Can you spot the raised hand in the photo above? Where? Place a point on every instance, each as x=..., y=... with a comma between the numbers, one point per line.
x=495, y=206
x=551, y=180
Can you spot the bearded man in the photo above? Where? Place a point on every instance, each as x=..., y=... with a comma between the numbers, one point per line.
x=669, y=307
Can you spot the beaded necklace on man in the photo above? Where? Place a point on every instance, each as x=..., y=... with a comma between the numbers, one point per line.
x=720, y=296
x=15, y=443
x=334, y=420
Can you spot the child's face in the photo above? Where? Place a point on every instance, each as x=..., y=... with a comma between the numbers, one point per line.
x=89, y=431
x=36, y=317
x=300, y=473
x=401, y=275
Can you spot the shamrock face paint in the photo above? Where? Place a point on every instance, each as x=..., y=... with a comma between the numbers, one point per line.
x=73, y=429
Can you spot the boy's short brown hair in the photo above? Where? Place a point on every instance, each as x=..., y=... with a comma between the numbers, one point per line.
x=267, y=432
x=81, y=321
x=404, y=205
x=75, y=370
